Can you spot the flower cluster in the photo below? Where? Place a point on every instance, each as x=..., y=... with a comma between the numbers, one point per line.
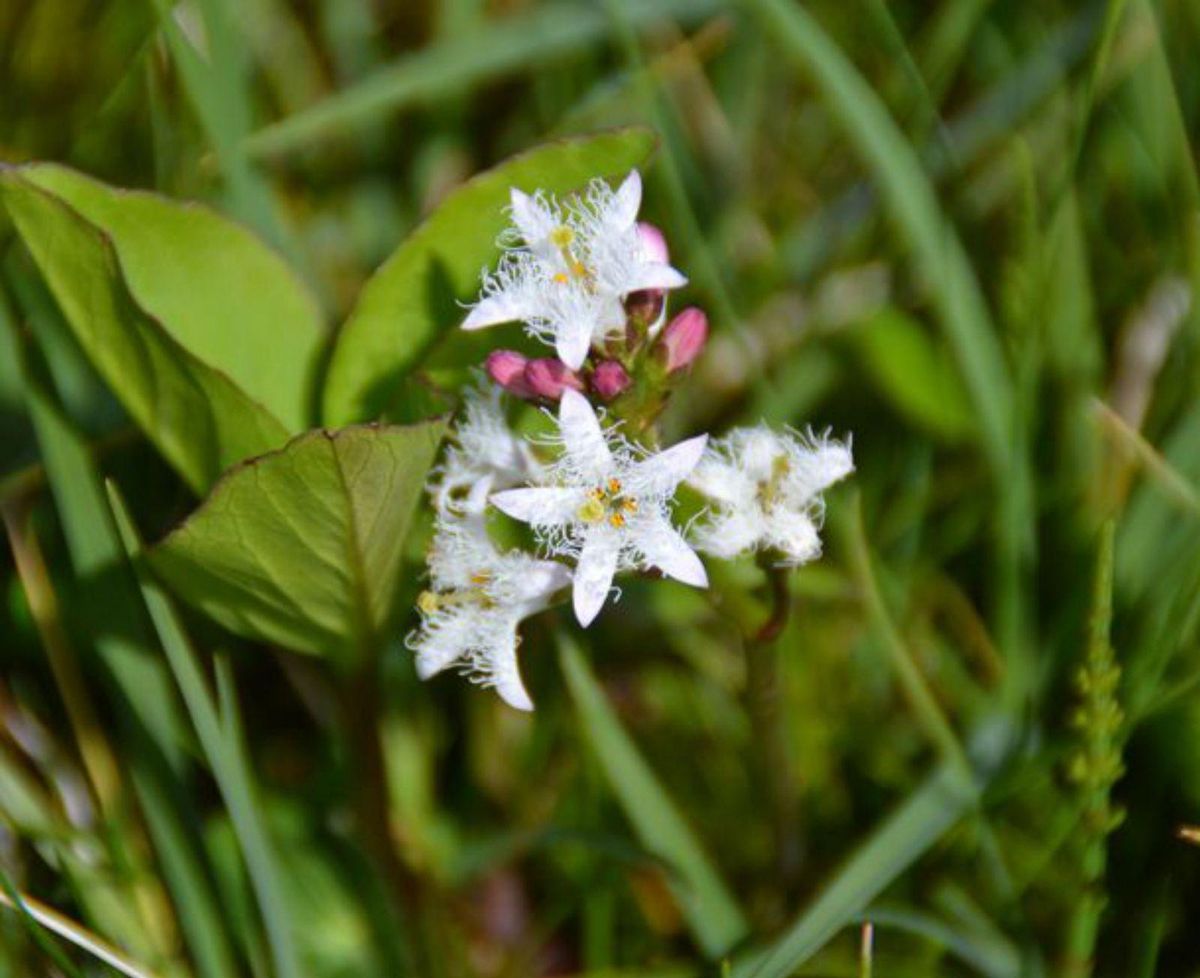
x=586, y=278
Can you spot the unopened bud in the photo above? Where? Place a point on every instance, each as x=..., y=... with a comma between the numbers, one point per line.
x=547, y=377
x=684, y=338
x=609, y=380
x=646, y=307
x=507, y=368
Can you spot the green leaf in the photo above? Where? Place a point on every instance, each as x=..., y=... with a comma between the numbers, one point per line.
x=897, y=844
x=196, y=416
x=216, y=288
x=915, y=374
x=413, y=299
x=302, y=547
x=712, y=914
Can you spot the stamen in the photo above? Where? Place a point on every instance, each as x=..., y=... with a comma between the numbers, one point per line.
x=427, y=602
x=617, y=520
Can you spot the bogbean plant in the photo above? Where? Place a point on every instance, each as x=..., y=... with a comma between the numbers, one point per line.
x=213, y=346
x=590, y=281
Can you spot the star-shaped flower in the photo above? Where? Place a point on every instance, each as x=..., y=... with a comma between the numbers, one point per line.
x=478, y=597
x=573, y=267
x=765, y=489
x=607, y=505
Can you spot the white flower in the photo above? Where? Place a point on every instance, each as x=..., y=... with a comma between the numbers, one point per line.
x=577, y=261
x=765, y=488
x=608, y=506
x=478, y=596
x=482, y=447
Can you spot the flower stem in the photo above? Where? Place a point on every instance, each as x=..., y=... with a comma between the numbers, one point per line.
x=774, y=766
x=361, y=718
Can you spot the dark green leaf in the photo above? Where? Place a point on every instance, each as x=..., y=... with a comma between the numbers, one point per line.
x=302, y=547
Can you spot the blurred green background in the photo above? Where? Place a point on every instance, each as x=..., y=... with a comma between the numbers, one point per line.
x=967, y=232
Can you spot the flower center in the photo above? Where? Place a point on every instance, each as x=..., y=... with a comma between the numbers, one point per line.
x=607, y=502
x=562, y=237
x=768, y=489
x=477, y=594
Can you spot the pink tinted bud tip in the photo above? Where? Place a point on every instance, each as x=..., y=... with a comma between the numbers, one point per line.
x=507, y=368
x=610, y=380
x=684, y=338
x=547, y=377
x=653, y=242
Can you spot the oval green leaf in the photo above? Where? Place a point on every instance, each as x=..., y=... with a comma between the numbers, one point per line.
x=196, y=416
x=916, y=375
x=216, y=288
x=301, y=548
x=414, y=297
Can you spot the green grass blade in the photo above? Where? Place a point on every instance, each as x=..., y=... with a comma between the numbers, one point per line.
x=913, y=203
x=907, y=835
x=155, y=756
x=224, y=755
x=712, y=914
x=511, y=45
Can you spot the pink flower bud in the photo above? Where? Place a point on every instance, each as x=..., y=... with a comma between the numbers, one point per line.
x=654, y=244
x=547, y=377
x=684, y=338
x=507, y=368
x=609, y=380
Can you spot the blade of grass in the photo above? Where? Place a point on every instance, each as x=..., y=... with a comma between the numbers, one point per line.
x=154, y=728
x=713, y=916
x=924, y=704
x=908, y=833
x=216, y=84
x=502, y=46
x=958, y=301
x=913, y=203
x=228, y=762
x=81, y=937
x=990, y=954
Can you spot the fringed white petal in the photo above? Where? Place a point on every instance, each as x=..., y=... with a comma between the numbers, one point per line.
x=664, y=548
x=541, y=506
x=594, y=572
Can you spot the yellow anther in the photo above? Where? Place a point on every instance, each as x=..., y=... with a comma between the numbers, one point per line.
x=614, y=486
x=597, y=494
x=562, y=236
x=427, y=601
x=592, y=511
x=617, y=520
x=580, y=270
x=561, y=278
x=629, y=505
x=479, y=578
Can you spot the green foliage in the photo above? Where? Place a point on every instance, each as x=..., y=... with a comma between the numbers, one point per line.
x=219, y=291
x=915, y=374
x=964, y=232
x=302, y=547
x=412, y=300
x=200, y=420
x=713, y=915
